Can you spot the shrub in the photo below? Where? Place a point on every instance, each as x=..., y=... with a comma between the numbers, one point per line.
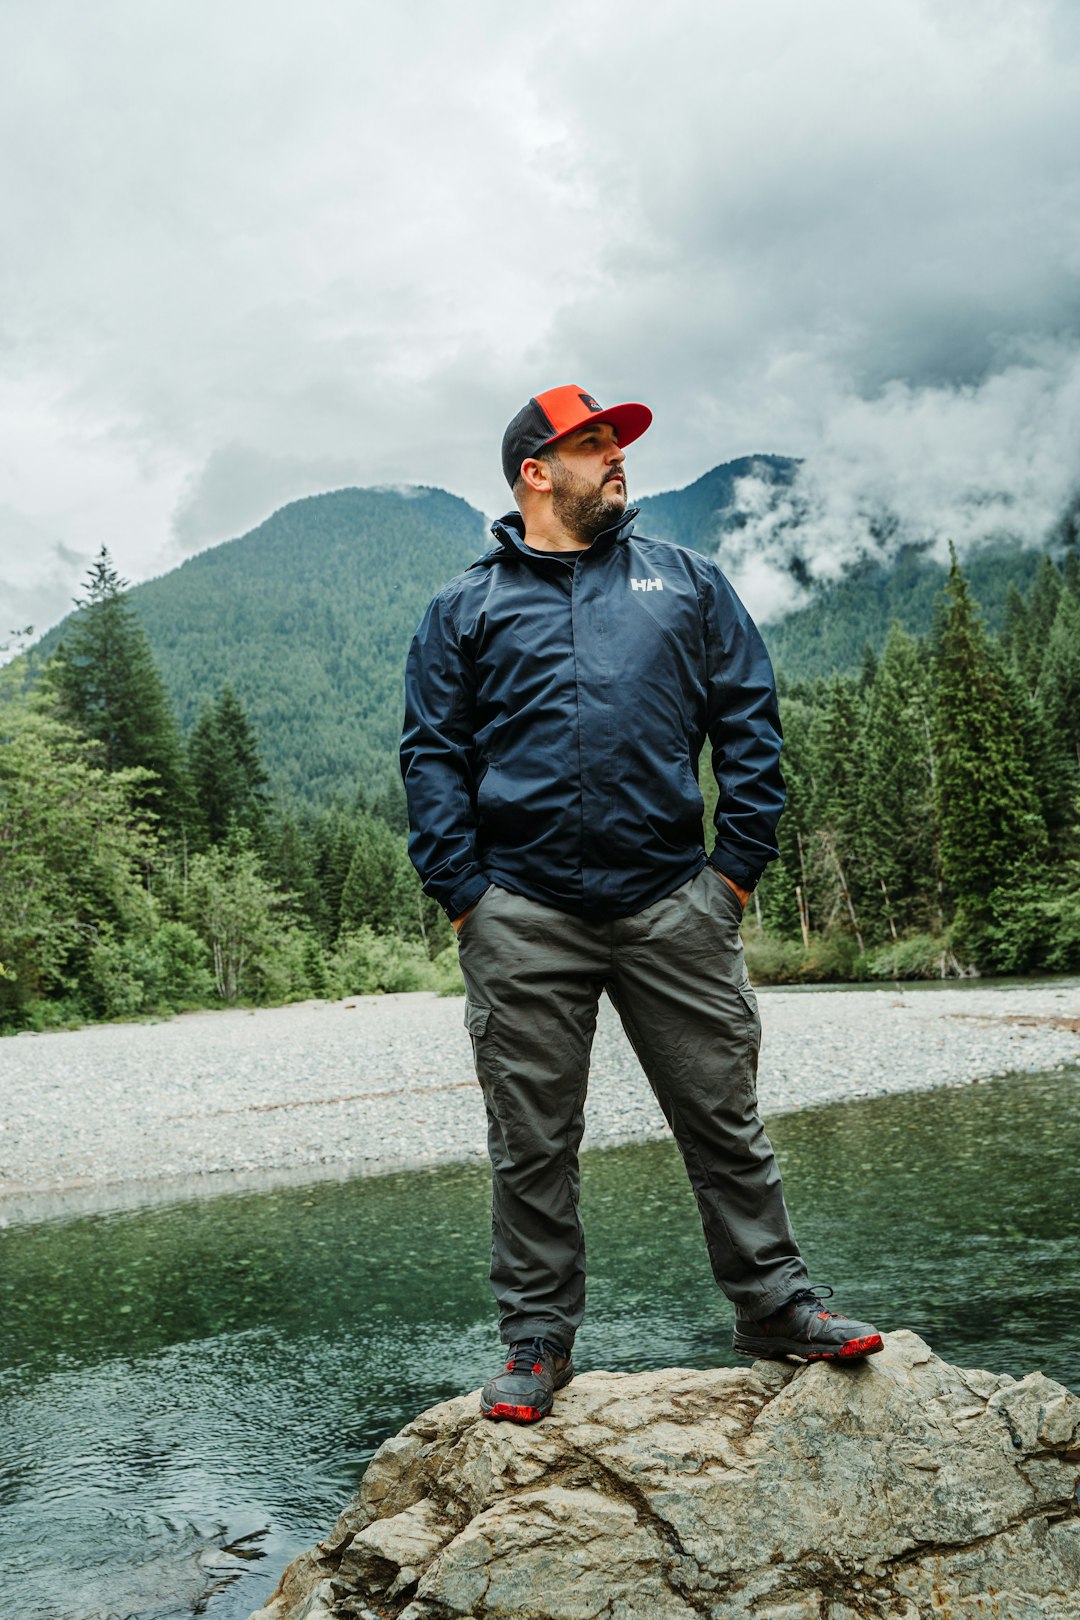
x=920, y=956
x=1034, y=926
x=365, y=963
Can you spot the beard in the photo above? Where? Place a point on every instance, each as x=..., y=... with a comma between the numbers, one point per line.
x=581, y=508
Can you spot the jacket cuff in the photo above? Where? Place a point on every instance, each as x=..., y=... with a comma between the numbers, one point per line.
x=465, y=895
x=726, y=859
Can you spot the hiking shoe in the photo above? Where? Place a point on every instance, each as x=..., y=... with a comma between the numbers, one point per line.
x=802, y=1327
x=525, y=1391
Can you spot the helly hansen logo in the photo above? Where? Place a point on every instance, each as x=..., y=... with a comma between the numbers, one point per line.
x=647, y=584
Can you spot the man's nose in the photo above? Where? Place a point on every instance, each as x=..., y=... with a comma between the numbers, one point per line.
x=616, y=454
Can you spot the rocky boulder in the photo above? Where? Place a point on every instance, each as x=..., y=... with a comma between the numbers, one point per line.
x=899, y=1487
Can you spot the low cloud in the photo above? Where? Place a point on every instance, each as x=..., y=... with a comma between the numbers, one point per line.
x=252, y=253
x=992, y=462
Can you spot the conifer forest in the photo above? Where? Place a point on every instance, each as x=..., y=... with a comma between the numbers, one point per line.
x=932, y=827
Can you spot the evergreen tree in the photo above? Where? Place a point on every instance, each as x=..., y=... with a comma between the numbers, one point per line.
x=897, y=814
x=1071, y=572
x=226, y=772
x=1041, y=612
x=377, y=891
x=784, y=896
x=987, y=807
x=868, y=670
x=1016, y=636
x=839, y=864
x=291, y=857
x=336, y=836
x=110, y=691
x=1059, y=680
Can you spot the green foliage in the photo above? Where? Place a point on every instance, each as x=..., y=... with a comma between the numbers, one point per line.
x=831, y=633
x=1035, y=926
x=933, y=817
x=110, y=691
x=307, y=619
x=256, y=954
x=380, y=881
x=365, y=963
x=988, y=812
x=934, y=792
x=225, y=769
x=164, y=970
x=1058, y=685
x=918, y=956
x=73, y=851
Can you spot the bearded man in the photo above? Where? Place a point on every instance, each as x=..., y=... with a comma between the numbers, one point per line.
x=558, y=696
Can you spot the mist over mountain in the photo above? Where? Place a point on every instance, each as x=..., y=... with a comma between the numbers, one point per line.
x=309, y=615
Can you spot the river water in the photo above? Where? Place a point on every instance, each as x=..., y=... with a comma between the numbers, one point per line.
x=189, y=1394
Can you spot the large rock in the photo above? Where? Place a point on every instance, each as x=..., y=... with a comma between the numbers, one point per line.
x=899, y=1487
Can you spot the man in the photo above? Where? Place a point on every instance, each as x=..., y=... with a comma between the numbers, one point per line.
x=558, y=695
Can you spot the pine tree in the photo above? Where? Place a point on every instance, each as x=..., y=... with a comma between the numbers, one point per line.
x=1071, y=572
x=1017, y=634
x=238, y=732
x=1041, y=612
x=868, y=670
x=897, y=813
x=839, y=863
x=109, y=689
x=226, y=772
x=291, y=857
x=987, y=808
x=376, y=893
x=335, y=837
x=1058, y=691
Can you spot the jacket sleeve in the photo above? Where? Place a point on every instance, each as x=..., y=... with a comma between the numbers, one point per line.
x=743, y=719
x=436, y=763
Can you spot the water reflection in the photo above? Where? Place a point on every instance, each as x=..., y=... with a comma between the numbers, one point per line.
x=177, y=1382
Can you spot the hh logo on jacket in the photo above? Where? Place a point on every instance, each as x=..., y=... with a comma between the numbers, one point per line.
x=647, y=584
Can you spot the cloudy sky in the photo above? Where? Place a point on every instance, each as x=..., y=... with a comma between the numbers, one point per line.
x=249, y=251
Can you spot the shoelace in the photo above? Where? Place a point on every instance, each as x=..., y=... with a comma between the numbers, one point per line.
x=814, y=1296
x=526, y=1355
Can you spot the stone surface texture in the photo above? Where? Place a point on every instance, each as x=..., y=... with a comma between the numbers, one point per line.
x=899, y=1488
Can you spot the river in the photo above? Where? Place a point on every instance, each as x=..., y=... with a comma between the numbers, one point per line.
x=189, y=1393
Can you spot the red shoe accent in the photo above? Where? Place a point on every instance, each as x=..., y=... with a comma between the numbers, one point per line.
x=863, y=1347
x=516, y=1414
x=849, y=1351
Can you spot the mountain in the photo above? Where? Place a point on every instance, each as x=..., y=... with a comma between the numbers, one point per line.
x=309, y=615
x=832, y=630
x=700, y=515
x=308, y=618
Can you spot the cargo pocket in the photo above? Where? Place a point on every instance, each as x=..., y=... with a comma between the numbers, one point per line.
x=753, y=1030
x=476, y=1018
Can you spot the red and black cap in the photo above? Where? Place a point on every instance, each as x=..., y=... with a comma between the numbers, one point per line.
x=560, y=411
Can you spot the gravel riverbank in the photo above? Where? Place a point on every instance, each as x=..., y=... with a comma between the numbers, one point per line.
x=118, y=1115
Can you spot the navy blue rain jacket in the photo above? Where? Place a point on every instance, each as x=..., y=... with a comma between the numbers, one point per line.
x=555, y=712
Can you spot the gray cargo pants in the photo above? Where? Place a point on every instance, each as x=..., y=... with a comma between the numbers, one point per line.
x=676, y=975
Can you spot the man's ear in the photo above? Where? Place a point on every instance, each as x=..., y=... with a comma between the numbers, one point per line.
x=536, y=475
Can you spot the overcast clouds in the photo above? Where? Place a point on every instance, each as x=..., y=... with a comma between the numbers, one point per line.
x=250, y=251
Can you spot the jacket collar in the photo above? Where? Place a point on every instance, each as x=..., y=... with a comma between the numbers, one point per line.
x=509, y=531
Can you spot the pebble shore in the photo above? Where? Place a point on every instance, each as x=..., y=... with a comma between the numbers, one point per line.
x=114, y=1116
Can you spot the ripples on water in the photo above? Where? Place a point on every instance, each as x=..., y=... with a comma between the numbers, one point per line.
x=188, y=1395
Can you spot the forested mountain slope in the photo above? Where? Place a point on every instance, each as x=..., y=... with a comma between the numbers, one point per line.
x=308, y=617
x=701, y=514
x=831, y=632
